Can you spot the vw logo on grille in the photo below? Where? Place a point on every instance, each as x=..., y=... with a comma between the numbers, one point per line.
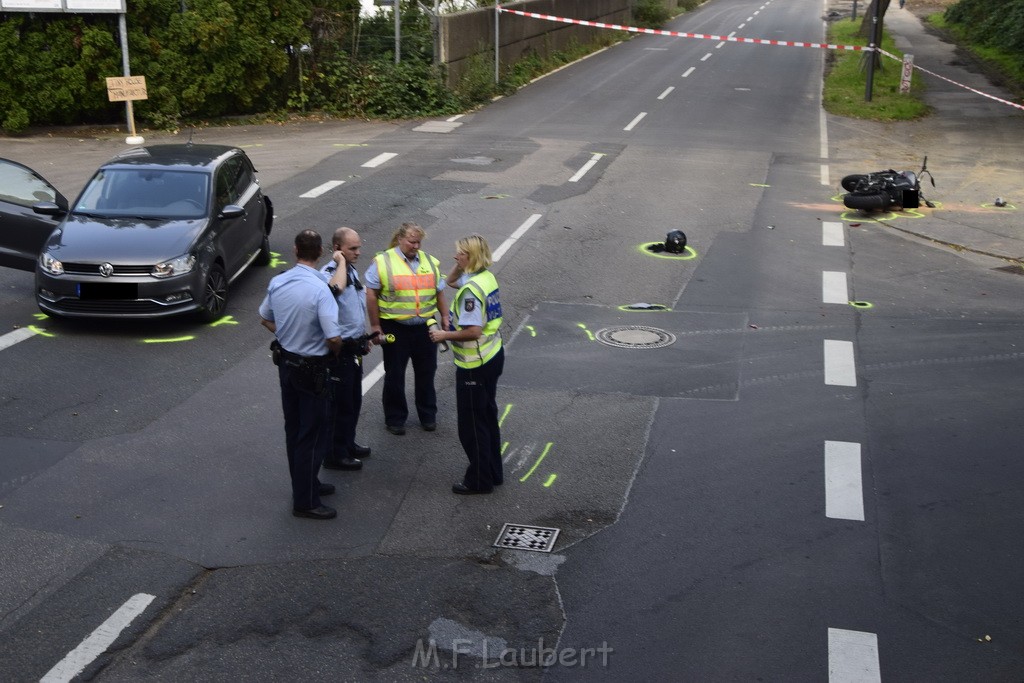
x=106, y=269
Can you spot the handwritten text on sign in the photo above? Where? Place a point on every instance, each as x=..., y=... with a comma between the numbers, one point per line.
x=123, y=88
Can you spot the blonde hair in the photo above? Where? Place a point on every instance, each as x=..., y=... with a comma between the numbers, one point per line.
x=405, y=230
x=478, y=251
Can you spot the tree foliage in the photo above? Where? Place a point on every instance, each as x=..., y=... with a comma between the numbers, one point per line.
x=992, y=23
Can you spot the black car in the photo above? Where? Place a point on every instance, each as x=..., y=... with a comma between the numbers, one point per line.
x=157, y=231
x=23, y=231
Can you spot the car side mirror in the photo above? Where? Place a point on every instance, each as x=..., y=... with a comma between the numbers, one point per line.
x=232, y=211
x=49, y=208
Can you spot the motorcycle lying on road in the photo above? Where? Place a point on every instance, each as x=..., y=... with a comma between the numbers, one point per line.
x=884, y=190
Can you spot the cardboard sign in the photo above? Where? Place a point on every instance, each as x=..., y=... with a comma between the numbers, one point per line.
x=122, y=88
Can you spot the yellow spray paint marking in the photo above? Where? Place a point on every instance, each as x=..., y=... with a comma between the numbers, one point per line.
x=531, y=330
x=226, y=320
x=170, y=340
x=539, y=461
x=550, y=481
x=350, y=144
x=857, y=216
x=1004, y=207
x=504, y=447
x=40, y=316
x=275, y=261
x=40, y=331
x=861, y=304
x=504, y=414
x=759, y=185
x=584, y=328
x=497, y=196
x=690, y=252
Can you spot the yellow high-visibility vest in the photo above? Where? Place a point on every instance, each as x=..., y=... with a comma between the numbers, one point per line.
x=405, y=294
x=473, y=354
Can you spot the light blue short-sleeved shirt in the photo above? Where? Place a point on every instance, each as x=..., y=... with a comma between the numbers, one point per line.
x=351, y=302
x=303, y=310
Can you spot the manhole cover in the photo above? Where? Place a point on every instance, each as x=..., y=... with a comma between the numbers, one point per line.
x=540, y=539
x=635, y=337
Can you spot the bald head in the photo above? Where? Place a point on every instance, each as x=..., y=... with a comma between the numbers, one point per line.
x=348, y=242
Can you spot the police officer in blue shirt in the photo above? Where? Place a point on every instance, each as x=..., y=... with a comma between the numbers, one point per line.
x=346, y=376
x=303, y=315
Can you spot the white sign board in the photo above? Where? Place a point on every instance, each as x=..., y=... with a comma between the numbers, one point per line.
x=908, y=71
x=31, y=6
x=79, y=6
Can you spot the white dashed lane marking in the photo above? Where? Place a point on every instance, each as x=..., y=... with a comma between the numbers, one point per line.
x=839, y=366
x=380, y=159
x=844, y=490
x=98, y=641
x=853, y=657
x=833, y=288
x=636, y=120
x=322, y=189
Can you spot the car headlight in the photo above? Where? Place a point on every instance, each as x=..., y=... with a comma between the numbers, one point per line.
x=176, y=266
x=50, y=265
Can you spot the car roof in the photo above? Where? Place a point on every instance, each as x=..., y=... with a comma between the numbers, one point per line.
x=197, y=157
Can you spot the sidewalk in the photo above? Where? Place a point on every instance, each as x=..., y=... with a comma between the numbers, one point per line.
x=975, y=148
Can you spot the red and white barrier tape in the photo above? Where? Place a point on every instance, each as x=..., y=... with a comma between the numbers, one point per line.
x=734, y=39
x=959, y=85
x=678, y=34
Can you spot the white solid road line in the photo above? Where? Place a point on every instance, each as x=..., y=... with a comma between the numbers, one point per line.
x=853, y=657
x=635, y=121
x=844, y=490
x=520, y=231
x=839, y=367
x=12, y=338
x=379, y=159
x=98, y=641
x=594, y=158
x=833, y=287
x=832, y=234
x=321, y=189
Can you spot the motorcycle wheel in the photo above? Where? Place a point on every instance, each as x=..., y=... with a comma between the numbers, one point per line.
x=850, y=182
x=867, y=202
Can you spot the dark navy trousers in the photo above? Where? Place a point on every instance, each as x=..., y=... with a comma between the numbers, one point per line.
x=476, y=392
x=346, y=382
x=307, y=436
x=412, y=342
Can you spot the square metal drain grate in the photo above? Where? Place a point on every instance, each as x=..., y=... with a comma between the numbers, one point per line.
x=540, y=539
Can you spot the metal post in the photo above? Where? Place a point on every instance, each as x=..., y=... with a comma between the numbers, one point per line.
x=497, y=42
x=876, y=25
x=122, y=27
x=397, y=9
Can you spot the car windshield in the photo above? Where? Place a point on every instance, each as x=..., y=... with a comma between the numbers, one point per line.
x=145, y=193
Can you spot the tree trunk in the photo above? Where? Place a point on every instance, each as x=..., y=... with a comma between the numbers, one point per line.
x=866, y=20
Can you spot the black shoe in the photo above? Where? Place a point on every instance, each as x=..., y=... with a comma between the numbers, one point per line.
x=358, y=451
x=322, y=512
x=397, y=430
x=343, y=464
x=326, y=489
x=429, y=426
x=464, y=490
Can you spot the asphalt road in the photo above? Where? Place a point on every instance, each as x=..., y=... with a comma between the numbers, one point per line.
x=789, y=487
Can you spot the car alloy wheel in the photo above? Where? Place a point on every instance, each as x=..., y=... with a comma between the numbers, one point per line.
x=215, y=294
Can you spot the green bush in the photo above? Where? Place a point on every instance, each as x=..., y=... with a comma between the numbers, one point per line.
x=650, y=14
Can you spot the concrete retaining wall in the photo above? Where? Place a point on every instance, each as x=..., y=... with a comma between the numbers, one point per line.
x=465, y=34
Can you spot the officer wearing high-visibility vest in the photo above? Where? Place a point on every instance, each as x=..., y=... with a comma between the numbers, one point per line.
x=404, y=290
x=475, y=336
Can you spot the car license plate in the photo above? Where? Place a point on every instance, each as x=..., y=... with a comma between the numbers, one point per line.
x=97, y=291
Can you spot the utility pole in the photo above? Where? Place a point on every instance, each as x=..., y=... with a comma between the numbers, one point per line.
x=876, y=26
x=396, y=7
